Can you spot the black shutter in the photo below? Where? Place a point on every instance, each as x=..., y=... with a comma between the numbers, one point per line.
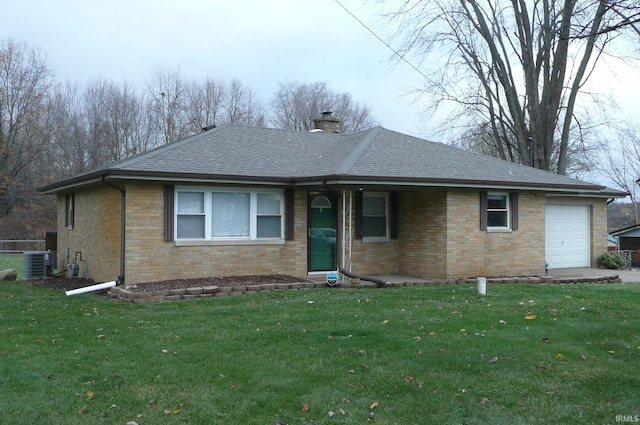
x=358, y=215
x=393, y=215
x=169, y=194
x=289, y=202
x=514, y=211
x=484, y=204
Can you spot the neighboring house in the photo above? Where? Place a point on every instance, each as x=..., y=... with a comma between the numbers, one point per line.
x=629, y=240
x=237, y=200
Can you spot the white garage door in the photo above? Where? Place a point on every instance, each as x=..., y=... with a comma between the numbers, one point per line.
x=567, y=236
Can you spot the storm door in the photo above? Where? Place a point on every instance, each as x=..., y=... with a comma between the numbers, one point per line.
x=321, y=232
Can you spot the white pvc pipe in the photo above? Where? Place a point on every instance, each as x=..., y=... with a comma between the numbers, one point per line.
x=92, y=288
x=482, y=285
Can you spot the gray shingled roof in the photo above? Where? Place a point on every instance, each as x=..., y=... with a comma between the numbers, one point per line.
x=235, y=152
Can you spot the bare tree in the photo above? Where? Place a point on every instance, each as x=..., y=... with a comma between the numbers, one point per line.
x=295, y=105
x=621, y=164
x=205, y=103
x=25, y=79
x=66, y=123
x=168, y=96
x=515, y=68
x=119, y=123
x=243, y=106
x=355, y=116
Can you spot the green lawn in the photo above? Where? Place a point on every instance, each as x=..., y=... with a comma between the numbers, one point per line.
x=523, y=354
x=12, y=261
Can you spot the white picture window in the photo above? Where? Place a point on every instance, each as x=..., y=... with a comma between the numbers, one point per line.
x=230, y=214
x=222, y=214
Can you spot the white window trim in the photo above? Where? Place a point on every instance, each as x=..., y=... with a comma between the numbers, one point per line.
x=252, y=239
x=498, y=229
x=385, y=195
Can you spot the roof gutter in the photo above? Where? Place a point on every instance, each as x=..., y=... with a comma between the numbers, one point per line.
x=123, y=205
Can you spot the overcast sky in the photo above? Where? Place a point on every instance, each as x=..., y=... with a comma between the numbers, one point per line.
x=259, y=42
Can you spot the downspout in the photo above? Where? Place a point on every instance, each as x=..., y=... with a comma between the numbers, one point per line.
x=120, y=280
x=376, y=280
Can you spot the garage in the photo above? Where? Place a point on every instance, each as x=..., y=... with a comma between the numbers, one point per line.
x=567, y=236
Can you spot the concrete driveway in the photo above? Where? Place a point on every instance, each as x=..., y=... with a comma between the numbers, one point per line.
x=625, y=275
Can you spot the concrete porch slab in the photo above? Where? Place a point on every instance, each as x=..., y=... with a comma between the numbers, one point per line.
x=627, y=276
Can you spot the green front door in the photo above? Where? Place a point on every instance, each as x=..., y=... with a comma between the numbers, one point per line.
x=321, y=232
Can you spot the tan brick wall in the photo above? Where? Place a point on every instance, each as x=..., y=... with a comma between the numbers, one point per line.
x=150, y=258
x=96, y=233
x=375, y=258
x=473, y=252
x=439, y=237
x=423, y=234
x=598, y=229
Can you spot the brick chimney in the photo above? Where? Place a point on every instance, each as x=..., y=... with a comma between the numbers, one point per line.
x=326, y=123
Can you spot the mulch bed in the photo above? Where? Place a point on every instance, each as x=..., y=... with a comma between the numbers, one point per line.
x=67, y=283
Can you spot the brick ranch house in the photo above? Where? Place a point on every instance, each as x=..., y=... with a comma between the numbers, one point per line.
x=237, y=200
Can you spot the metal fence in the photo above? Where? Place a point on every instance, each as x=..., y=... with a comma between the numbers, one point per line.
x=21, y=245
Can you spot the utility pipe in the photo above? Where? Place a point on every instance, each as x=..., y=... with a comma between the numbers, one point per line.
x=92, y=288
x=122, y=225
x=376, y=280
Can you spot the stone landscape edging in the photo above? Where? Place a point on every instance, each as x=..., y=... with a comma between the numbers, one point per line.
x=122, y=294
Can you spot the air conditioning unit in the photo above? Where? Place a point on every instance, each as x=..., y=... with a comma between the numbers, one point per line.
x=35, y=264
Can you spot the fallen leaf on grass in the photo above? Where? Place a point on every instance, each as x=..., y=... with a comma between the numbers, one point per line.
x=484, y=400
x=90, y=395
x=408, y=379
x=305, y=408
x=342, y=411
x=530, y=317
x=559, y=356
x=432, y=333
x=83, y=410
x=374, y=405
